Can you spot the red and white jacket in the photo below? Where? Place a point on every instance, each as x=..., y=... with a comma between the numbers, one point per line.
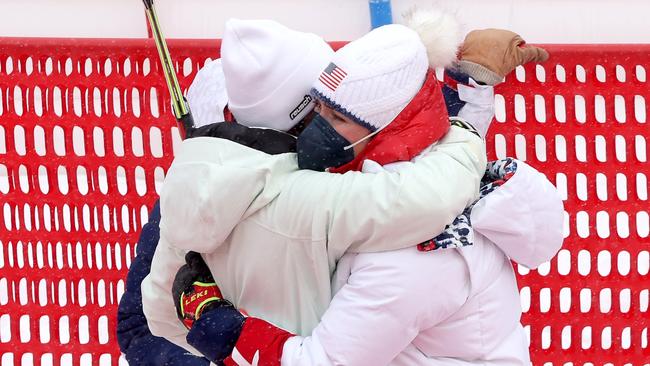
x=383, y=310
x=447, y=307
x=272, y=235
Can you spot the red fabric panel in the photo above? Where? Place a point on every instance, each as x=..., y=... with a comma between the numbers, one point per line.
x=54, y=263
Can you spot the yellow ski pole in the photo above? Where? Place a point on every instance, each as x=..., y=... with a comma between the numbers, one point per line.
x=179, y=104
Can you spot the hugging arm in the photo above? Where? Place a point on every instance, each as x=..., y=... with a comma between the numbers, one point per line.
x=348, y=333
x=352, y=331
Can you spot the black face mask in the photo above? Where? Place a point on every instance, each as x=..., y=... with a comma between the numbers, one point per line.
x=321, y=147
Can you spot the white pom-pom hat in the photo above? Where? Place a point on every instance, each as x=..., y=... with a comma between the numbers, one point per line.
x=371, y=80
x=269, y=71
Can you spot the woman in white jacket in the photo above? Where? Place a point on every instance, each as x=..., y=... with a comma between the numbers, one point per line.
x=412, y=308
x=448, y=307
x=272, y=233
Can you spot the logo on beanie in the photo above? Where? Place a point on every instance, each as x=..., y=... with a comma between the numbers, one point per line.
x=332, y=76
x=301, y=107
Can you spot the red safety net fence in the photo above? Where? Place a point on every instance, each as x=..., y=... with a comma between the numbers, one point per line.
x=86, y=135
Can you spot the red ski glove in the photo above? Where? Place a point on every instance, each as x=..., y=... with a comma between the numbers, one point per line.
x=260, y=343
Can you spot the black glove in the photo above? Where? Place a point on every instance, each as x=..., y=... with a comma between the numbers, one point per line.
x=195, y=291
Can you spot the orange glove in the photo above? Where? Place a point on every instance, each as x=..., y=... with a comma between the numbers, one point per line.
x=499, y=51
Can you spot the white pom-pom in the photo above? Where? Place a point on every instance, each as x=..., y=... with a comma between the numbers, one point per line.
x=440, y=33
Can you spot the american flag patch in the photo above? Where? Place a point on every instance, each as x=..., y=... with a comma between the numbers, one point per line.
x=332, y=76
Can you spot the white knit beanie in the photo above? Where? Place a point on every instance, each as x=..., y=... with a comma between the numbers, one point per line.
x=207, y=94
x=269, y=72
x=371, y=80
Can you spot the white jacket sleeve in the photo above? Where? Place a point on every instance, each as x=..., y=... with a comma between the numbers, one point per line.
x=479, y=105
x=388, y=299
x=531, y=201
x=213, y=184
x=363, y=212
x=157, y=303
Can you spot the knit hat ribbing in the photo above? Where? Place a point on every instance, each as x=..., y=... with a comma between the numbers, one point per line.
x=371, y=80
x=207, y=94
